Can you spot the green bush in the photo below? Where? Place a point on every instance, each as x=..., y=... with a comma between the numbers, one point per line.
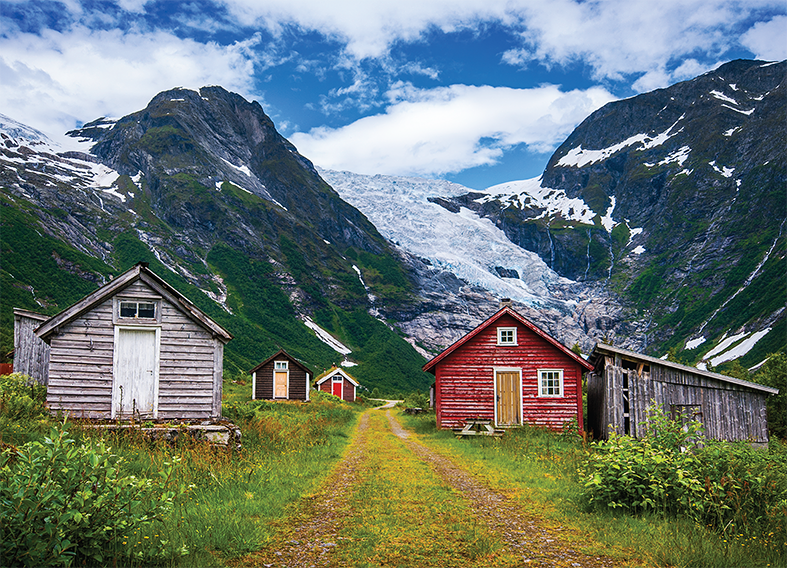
x=21, y=398
x=63, y=503
x=736, y=489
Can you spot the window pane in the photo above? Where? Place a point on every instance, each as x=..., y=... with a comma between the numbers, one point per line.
x=146, y=310
x=281, y=365
x=128, y=309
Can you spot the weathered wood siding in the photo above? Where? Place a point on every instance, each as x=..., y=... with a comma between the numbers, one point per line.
x=298, y=380
x=82, y=357
x=728, y=411
x=31, y=354
x=465, y=386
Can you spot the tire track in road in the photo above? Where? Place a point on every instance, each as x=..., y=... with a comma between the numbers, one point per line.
x=524, y=534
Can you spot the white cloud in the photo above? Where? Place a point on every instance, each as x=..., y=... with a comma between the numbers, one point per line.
x=51, y=81
x=615, y=37
x=449, y=129
x=767, y=39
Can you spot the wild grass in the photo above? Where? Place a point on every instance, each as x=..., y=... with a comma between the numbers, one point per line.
x=542, y=470
x=230, y=497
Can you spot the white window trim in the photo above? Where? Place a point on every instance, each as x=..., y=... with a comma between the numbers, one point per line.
x=254, y=385
x=560, y=378
x=500, y=331
x=518, y=370
x=156, y=367
x=117, y=320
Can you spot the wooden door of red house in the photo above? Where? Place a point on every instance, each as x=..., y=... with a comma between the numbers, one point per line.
x=509, y=390
x=337, y=387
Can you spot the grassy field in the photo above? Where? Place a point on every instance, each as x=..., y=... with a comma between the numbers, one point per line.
x=224, y=505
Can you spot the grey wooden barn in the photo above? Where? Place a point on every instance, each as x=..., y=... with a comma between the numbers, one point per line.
x=280, y=376
x=135, y=345
x=31, y=355
x=624, y=384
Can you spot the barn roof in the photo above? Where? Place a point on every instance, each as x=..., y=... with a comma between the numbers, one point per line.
x=507, y=310
x=602, y=349
x=335, y=371
x=279, y=354
x=139, y=271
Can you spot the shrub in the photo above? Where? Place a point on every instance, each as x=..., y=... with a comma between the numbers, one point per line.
x=21, y=398
x=61, y=503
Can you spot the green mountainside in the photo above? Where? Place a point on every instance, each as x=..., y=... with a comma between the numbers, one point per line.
x=225, y=210
x=687, y=192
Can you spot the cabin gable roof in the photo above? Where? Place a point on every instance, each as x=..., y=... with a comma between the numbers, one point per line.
x=602, y=349
x=330, y=373
x=139, y=271
x=281, y=353
x=506, y=310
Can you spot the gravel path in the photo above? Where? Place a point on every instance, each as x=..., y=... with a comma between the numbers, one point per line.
x=316, y=525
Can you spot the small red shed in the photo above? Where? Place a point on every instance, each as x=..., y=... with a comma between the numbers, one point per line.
x=280, y=377
x=338, y=382
x=510, y=371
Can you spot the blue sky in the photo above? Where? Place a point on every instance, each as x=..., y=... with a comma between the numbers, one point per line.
x=475, y=91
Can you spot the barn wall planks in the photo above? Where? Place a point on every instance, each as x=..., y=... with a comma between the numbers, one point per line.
x=465, y=379
x=31, y=354
x=728, y=411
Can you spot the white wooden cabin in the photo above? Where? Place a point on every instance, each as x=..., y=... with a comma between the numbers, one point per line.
x=135, y=345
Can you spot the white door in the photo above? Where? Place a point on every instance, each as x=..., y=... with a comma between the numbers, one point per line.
x=134, y=387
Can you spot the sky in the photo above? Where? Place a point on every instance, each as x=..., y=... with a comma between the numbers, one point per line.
x=478, y=92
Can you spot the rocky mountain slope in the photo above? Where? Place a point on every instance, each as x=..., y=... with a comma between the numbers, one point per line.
x=675, y=201
x=201, y=185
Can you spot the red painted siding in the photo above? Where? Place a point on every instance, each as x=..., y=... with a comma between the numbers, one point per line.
x=465, y=385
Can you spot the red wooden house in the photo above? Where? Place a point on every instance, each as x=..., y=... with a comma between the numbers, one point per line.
x=338, y=382
x=510, y=371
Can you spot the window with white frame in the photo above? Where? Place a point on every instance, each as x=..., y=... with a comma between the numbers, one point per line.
x=280, y=365
x=550, y=382
x=129, y=309
x=506, y=336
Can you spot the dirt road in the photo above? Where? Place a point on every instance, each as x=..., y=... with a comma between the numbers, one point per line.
x=318, y=534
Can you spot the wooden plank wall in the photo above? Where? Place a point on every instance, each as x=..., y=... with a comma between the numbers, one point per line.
x=729, y=412
x=297, y=387
x=31, y=354
x=81, y=364
x=465, y=379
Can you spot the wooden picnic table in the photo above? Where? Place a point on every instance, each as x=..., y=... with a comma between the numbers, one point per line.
x=479, y=427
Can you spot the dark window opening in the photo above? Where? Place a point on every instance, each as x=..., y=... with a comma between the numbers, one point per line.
x=138, y=310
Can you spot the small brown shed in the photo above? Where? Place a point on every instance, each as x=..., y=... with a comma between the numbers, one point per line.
x=135, y=345
x=624, y=384
x=280, y=377
x=338, y=382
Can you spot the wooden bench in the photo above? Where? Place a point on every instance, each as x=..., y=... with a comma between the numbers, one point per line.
x=478, y=428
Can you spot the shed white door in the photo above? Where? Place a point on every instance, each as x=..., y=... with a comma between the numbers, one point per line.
x=134, y=387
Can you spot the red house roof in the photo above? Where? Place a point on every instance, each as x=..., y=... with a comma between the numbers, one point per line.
x=506, y=310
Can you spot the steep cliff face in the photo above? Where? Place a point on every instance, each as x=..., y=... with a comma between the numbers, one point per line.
x=675, y=201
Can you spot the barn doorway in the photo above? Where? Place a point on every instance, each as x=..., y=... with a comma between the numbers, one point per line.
x=135, y=373
x=508, y=391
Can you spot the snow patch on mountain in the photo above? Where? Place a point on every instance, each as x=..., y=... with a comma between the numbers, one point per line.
x=579, y=157
x=326, y=337
x=530, y=194
x=463, y=243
